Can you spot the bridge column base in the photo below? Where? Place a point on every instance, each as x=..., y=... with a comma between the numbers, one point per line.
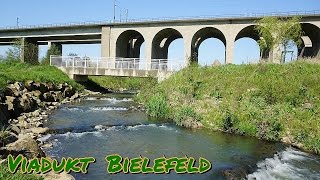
x=79, y=78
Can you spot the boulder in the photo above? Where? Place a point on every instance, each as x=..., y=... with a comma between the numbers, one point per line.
x=27, y=146
x=68, y=92
x=10, y=100
x=39, y=130
x=24, y=104
x=2, y=97
x=15, y=129
x=4, y=113
x=50, y=86
x=11, y=90
x=43, y=88
x=53, y=176
x=47, y=97
x=36, y=86
x=59, y=87
x=191, y=123
x=29, y=85
x=36, y=93
x=234, y=174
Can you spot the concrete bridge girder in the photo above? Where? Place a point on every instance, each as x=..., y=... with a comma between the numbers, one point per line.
x=108, y=34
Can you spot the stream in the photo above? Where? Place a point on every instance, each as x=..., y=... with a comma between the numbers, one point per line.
x=104, y=125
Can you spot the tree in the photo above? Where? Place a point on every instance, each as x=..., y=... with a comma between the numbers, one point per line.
x=276, y=32
x=53, y=50
x=13, y=54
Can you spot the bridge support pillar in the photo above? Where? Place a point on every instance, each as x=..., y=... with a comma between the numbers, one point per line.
x=29, y=51
x=187, y=50
x=276, y=55
x=57, y=45
x=229, y=52
x=148, y=52
x=105, y=42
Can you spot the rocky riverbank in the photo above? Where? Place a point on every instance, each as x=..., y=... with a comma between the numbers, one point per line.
x=24, y=107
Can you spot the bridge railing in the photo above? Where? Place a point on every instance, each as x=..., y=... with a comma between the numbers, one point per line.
x=117, y=63
x=159, y=19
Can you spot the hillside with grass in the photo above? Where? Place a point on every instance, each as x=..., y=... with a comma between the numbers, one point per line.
x=123, y=83
x=269, y=101
x=16, y=71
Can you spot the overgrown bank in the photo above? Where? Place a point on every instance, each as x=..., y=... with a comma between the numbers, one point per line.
x=269, y=101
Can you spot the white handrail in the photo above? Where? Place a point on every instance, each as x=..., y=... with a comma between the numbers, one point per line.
x=120, y=63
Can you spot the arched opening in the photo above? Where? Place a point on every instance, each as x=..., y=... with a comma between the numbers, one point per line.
x=128, y=49
x=247, y=49
x=311, y=41
x=200, y=42
x=129, y=44
x=163, y=41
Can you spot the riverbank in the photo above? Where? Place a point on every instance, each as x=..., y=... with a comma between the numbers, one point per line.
x=28, y=95
x=120, y=84
x=269, y=101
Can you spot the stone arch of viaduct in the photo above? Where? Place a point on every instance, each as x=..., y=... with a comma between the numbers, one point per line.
x=126, y=41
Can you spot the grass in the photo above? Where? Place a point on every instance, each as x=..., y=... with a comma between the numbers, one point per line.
x=268, y=101
x=6, y=175
x=127, y=83
x=10, y=71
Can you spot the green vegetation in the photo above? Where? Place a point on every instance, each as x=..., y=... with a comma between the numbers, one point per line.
x=279, y=32
x=6, y=175
x=4, y=134
x=268, y=101
x=13, y=71
x=157, y=106
x=53, y=50
x=129, y=83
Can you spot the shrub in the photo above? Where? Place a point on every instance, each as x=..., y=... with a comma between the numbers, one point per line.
x=157, y=106
x=269, y=130
x=184, y=113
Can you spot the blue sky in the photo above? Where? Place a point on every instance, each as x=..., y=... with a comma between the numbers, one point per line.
x=63, y=11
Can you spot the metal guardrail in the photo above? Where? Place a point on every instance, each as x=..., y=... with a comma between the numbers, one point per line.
x=117, y=63
x=141, y=20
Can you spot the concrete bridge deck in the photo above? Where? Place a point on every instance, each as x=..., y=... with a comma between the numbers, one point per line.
x=79, y=68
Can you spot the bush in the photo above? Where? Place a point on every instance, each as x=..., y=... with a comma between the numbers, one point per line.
x=157, y=106
x=186, y=113
x=53, y=50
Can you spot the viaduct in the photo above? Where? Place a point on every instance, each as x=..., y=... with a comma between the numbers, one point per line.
x=125, y=39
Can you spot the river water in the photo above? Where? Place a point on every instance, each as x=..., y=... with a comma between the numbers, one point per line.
x=105, y=125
